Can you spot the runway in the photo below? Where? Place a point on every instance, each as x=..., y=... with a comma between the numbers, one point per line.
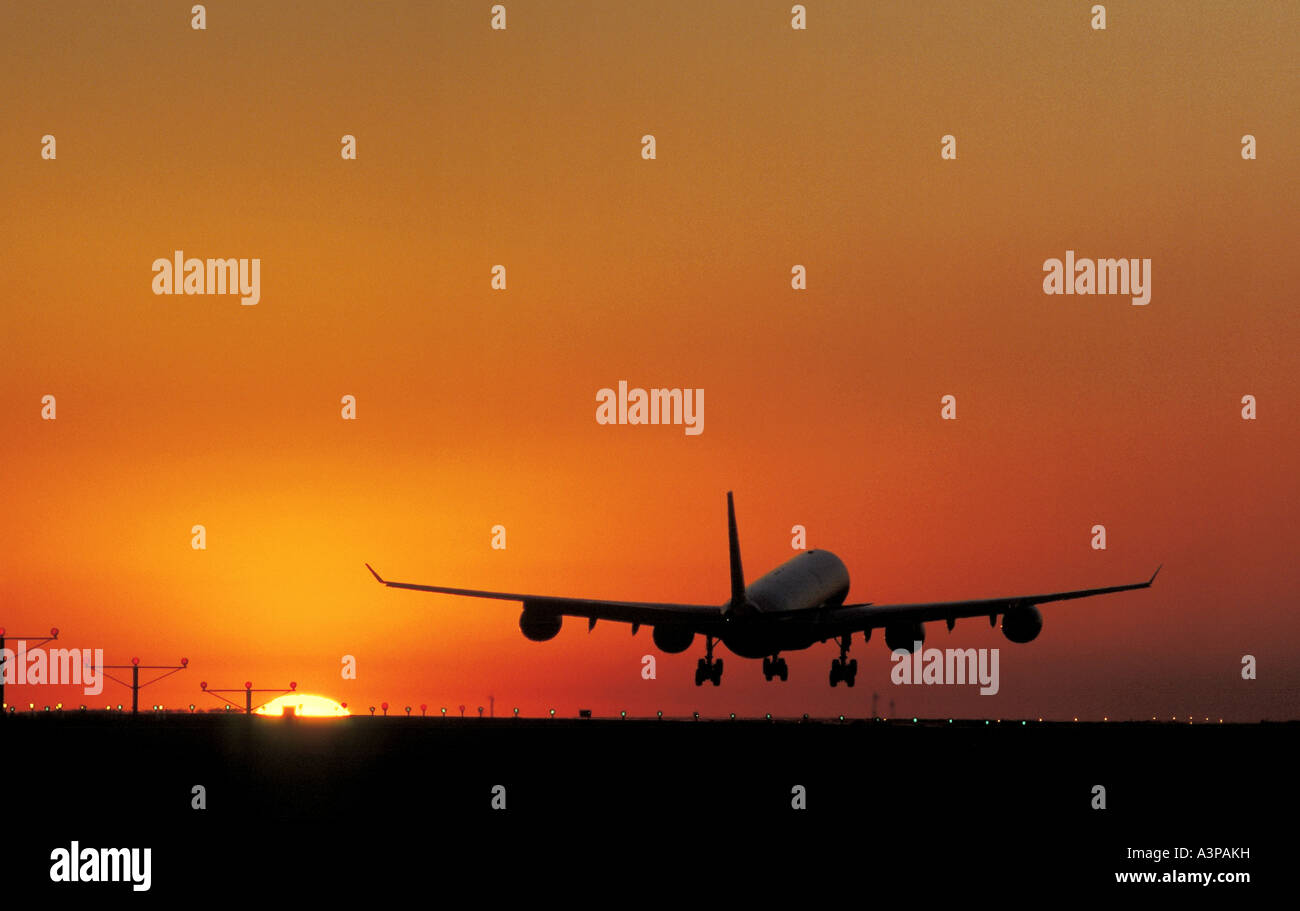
x=893, y=794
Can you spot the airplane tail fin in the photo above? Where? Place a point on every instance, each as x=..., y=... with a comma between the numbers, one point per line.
x=737, y=572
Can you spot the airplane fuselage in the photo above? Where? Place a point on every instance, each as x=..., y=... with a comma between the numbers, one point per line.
x=782, y=608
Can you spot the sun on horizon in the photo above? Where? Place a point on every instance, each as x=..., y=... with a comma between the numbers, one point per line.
x=303, y=705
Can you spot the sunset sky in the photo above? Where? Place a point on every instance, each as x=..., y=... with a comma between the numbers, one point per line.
x=476, y=407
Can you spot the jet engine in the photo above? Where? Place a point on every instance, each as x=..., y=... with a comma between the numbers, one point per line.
x=539, y=625
x=1021, y=624
x=673, y=639
x=904, y=635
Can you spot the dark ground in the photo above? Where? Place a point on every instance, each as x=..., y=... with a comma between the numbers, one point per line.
x=681, y=808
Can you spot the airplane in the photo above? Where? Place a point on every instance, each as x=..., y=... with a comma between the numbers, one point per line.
x=795, y=606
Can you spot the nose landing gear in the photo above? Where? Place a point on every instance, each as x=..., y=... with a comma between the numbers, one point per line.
x=708, y=668
x=775, y=667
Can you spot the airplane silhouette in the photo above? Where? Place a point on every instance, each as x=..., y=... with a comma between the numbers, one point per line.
x=795, y=606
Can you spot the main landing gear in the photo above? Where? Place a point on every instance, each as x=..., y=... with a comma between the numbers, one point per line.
x=708, y=668
x=842, y=668
x=775, y=667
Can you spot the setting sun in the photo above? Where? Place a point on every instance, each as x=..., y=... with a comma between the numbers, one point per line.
x=303, y=705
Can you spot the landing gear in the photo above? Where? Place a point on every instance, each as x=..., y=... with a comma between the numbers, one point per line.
x=775, y=667
x=842, y=668
x=708, y=668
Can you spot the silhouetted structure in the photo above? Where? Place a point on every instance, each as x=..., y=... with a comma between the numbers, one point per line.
x=135, y=684
x=54, y=634
x=248, y=692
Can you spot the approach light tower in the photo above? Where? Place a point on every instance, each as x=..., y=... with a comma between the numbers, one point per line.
x=54, y=634
x=136, y=667
x=248, y=692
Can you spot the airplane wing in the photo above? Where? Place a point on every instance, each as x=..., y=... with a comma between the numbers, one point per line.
x=858, y=617
x=700, y=617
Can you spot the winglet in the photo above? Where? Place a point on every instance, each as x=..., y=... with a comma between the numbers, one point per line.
x=1154, y=574
x=375, y=574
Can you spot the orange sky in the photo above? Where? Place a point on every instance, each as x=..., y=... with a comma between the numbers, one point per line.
x=477, y=407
